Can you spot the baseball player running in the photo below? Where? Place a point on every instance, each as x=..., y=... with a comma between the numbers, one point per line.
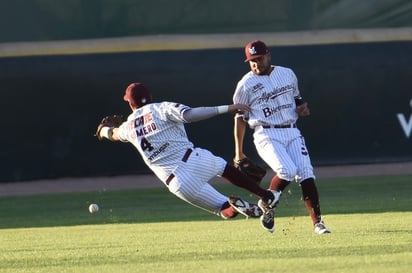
x=157, y=131
x=275, y=103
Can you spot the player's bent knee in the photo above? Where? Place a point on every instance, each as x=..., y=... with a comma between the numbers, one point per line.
x=287, y=174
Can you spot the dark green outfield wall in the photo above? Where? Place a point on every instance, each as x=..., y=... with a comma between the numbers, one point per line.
x=43, y=20
x=359, y=94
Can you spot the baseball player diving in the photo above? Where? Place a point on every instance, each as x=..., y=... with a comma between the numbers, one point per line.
x=275, y=103
x=157, y=131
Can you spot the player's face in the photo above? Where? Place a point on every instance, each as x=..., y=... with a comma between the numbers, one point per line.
x=261, y=65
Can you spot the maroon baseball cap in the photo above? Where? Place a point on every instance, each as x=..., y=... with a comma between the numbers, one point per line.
x=255, y=49
x=137, y=94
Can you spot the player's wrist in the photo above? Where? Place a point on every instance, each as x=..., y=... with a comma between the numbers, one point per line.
x=222, y=109
x=107, y=132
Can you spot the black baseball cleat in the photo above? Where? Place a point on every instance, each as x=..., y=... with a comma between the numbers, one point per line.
x=267, y=205
x=267, y=220
x=245, y=208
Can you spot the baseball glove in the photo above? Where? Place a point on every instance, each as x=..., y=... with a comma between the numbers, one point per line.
x=251, y=169
x=109, y=121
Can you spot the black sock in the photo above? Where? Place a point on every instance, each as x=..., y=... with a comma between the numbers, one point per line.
x=240, y=179
x=311, y=198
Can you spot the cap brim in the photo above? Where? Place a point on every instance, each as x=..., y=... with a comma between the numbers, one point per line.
x=254, y=57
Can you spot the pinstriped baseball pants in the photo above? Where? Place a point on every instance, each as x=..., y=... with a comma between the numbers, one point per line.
x=190, y=181
x=285, y=151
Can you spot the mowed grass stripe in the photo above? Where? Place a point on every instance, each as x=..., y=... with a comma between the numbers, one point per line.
x=339, y=195
x=152, y=231
x=378, y=242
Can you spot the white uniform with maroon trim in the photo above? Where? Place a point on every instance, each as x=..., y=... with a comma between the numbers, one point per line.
x=272, y=101
x=158, y=133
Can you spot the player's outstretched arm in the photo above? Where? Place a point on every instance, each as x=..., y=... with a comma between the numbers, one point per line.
x=202, y=113
x=238, y=108
x=107, y=128
x=110, y=133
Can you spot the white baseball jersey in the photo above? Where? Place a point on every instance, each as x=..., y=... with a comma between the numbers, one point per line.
x=158, y=133
x=272, y=97
x=272, y=101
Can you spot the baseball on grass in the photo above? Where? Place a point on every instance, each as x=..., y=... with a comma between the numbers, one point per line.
x=93, y=208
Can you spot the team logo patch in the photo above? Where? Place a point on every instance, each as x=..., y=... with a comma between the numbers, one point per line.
x=252, y=50
x=257, y=87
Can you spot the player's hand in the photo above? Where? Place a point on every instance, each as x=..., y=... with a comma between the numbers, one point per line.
x=303, y=110
x=238, y=108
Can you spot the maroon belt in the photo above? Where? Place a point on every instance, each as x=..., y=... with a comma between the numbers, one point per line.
x=184, y=159
x=187, y=154
x=280, y=126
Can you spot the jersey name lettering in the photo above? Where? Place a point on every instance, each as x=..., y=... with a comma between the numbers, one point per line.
x=271, y=111
x=146, y=124
x=275, y=93
x=146, y=129
x=143, y=119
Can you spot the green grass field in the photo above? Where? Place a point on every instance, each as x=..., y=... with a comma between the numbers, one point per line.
x=153, y=231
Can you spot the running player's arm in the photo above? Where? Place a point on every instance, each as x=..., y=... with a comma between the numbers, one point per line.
x=301, y=107
x=239, y=135
x=240, y=122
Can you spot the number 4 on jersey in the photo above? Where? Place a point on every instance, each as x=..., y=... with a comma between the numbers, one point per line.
x=146, y=145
